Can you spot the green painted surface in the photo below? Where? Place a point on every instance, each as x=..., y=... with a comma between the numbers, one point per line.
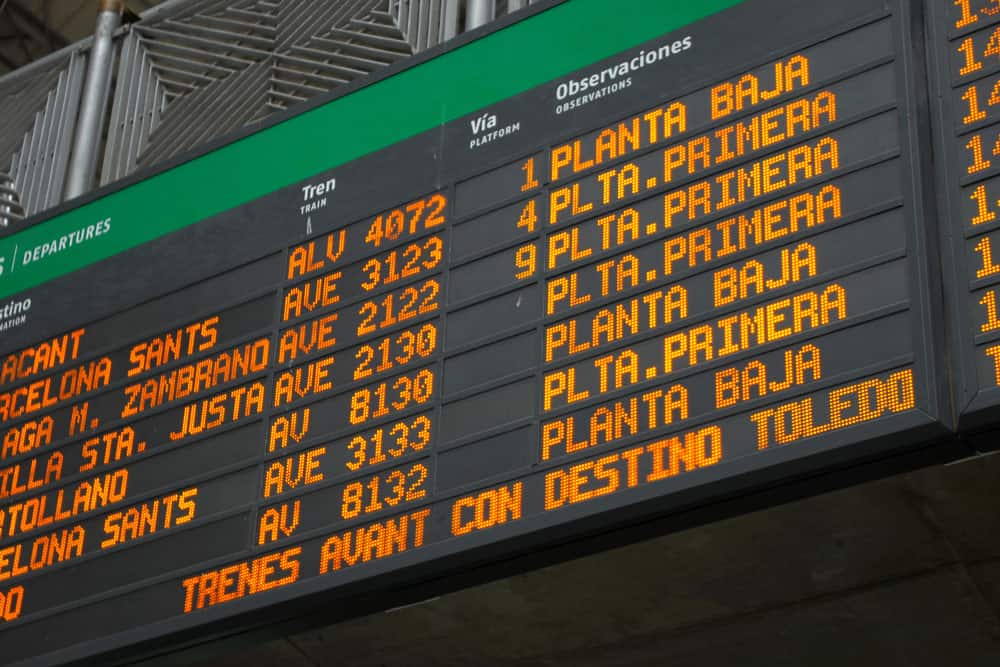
x=547, y=46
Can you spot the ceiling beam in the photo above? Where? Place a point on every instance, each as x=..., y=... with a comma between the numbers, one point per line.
x=7, y=62
x=38, y=27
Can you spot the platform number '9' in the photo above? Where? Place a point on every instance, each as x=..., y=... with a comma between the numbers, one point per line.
x=526, y=259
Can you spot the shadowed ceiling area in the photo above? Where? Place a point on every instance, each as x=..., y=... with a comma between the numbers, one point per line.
x=32, y=29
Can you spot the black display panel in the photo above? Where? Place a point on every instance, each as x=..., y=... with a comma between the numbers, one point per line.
x=707, y=282
x=965, y=38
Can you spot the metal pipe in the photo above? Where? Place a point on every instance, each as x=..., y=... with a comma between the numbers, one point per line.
x=477, y=13
x=514, y=5
x=449, y=23
x=90, y=127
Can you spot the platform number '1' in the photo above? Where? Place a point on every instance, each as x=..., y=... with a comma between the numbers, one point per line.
x=530, y=182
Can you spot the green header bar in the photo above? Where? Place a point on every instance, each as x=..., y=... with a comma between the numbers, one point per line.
x=547, y=46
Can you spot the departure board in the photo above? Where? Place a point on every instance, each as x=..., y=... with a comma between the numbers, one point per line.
x=965, y=37
x=682, y=271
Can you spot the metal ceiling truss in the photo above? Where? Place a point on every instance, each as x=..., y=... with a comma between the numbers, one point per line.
x=39, y=113
x=193, y=70
x=213, y=66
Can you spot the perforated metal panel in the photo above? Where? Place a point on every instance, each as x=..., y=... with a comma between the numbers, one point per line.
x=193, y=70
x=39, y=109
